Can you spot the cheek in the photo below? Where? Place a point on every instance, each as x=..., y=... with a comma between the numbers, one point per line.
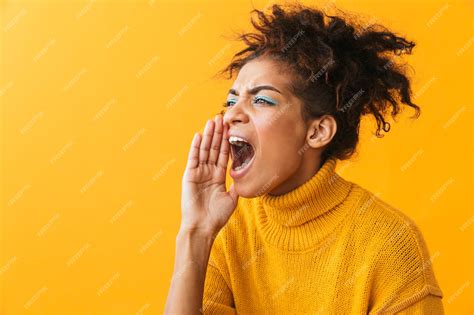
x=278, y=145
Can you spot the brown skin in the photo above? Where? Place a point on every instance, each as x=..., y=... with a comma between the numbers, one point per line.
x=205, y=208
x=288, y=154
x=288, y=150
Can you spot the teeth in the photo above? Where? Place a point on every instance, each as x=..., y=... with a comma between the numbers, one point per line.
x=241, y=166
x=240, y=142
x=236, y=140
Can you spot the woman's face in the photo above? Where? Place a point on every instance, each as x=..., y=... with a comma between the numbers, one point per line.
x=262, y=110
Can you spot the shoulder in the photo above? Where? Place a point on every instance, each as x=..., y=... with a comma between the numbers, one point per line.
x=403, y=264
x=383, y=219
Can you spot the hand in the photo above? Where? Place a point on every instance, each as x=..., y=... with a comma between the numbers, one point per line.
x=206, y=206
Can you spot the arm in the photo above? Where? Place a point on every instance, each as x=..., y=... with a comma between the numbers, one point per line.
x=405, y=275
x=430, y=304
x=206, y=207
x=218, y=298
x=187, y=285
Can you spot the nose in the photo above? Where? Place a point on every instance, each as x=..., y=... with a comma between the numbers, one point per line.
x=236, y=114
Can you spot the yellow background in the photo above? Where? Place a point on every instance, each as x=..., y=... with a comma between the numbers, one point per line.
x=100, y=100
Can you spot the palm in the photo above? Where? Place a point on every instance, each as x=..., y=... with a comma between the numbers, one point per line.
x=205, y=202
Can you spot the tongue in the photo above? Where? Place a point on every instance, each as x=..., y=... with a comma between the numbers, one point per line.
x=243, y=155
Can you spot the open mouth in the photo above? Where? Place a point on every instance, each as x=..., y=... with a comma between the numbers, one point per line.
x=241, y=152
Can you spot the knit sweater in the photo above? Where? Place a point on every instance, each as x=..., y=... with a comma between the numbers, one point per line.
x=328, y=246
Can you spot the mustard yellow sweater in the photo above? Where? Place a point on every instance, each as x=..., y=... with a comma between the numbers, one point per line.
x=327, y=247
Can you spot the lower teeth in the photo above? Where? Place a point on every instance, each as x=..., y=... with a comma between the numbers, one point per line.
x=241, y=166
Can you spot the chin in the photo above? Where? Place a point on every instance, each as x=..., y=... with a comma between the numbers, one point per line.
x=246, y=191
x=251, y=191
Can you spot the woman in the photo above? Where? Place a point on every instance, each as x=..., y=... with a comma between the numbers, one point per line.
x=291, y=236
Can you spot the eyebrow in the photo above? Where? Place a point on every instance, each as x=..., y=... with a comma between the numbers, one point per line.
x=255, y=90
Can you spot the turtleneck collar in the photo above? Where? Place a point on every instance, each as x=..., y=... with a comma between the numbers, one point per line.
x=300, y=218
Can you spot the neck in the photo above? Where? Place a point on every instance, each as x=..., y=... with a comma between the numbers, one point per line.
x=301, y=218
x=307, y=169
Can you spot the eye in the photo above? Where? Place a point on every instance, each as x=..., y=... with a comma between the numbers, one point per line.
x=229, y=103
x=264, y=100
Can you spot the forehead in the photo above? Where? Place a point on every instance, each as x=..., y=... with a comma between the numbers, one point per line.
x=262, y=71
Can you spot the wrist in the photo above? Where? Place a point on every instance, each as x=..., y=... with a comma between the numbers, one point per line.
x=193, y=247
x=194, y=232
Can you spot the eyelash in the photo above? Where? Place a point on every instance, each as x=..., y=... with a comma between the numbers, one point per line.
x=226, y=104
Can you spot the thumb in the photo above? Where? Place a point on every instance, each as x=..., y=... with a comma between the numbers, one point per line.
x=233, y=194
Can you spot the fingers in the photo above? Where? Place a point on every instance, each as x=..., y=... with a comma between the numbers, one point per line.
x=216, y=140
x=206, y=142
x=212, y=147
x=224, y=149
x=193, y=157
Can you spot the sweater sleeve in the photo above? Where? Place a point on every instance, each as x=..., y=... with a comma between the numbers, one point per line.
x=217, y=297
x=404, y=278
x=430, y=304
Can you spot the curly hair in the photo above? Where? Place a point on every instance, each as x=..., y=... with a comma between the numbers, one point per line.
x=340, y=68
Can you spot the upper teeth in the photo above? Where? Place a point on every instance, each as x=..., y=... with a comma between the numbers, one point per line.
x=236, y=140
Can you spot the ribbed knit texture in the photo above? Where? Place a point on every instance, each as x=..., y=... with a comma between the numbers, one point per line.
x=327, y=247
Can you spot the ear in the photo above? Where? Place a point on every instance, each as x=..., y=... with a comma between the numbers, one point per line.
x=321, y=131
